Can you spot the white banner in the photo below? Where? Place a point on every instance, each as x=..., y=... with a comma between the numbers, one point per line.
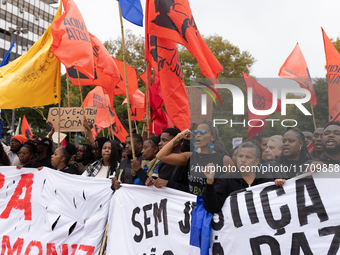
x=146, y=220
x=302, y=217
x=50, y=212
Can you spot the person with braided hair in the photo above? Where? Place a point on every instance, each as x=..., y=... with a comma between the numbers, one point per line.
x=205, y=136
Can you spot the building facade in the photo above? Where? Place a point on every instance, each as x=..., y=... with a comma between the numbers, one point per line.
x=34, y=16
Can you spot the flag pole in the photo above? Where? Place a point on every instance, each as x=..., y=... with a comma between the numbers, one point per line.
x=147, y=99
x=81, y=98
x=136, y=127
x=311, y=106
x=59, y=117
x=68, y=103
x=126, y=82
x=108, y=114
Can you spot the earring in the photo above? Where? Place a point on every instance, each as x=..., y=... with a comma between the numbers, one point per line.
x=195, y=149
x=300, y=149
x=212, y=147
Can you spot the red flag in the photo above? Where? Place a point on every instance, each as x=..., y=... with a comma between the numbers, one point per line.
x=120, y=88
x=262, y=100
x=96, y=98
x=333, y=76
x=158, y=115
x=25, y=128
x=173, y=20
x=105, y=70
x=71, y=40
x=295, y=68
x=137, y=105
x=164, y=60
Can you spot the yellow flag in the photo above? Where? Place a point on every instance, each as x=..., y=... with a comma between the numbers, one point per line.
x=34, y=78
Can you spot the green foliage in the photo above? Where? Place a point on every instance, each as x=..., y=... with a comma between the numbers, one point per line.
x=233, y=61
x=134, y=50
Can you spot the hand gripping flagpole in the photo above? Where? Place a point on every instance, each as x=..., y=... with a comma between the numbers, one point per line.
x=126, y=82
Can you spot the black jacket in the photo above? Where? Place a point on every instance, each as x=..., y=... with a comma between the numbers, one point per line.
x=177, y=176
x=44, y=162
x=214, y=195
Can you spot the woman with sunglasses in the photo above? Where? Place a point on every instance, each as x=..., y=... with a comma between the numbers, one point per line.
x=204, y=154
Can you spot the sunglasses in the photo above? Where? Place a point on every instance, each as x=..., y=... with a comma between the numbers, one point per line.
x=202, y=132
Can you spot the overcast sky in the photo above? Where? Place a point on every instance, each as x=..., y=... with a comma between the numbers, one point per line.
x=268, y=29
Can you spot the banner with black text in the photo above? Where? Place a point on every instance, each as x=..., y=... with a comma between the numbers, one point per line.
x=302, y=217
x=146, y=220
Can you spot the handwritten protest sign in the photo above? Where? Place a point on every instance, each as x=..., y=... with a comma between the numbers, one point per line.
x=71, y=118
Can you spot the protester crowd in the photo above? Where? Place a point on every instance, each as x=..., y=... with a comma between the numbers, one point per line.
x=208, y=170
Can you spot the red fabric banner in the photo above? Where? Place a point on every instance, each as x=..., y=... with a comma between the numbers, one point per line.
x=96, y=98
x=262, y=100
x=295, y=68
x=25, y=128
x=333, y=75
x=71, y=40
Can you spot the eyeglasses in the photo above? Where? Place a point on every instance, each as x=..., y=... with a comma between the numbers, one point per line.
x=202, y=132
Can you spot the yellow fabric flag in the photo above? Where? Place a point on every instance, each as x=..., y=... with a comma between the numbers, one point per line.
x=34, y=78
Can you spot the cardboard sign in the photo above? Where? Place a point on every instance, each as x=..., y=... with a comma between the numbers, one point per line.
x=194, y=94
x=71, y=118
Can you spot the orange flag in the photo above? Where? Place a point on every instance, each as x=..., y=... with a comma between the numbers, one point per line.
x=163, y=55
x=137, y=105
x=96, y=98
x=25, y=128
x=173, y=20
x=295, y=68
x=105, y=70
x=262, y=100
x=120, y=88
x=71, y=40
x=333, y=75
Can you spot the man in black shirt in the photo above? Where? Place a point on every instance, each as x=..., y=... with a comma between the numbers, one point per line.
x=175, y=177
x=317, y=143
x=44, y=153
x=331, y=146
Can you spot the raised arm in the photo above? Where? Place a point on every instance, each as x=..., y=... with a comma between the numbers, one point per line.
x=165, y=154
x=90, y=139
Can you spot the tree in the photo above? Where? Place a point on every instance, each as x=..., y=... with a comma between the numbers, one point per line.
x=233, y=61
x=134, y=50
